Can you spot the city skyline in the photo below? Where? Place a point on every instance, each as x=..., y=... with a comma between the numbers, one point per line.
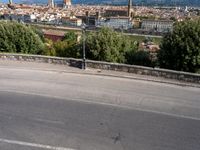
x=115, y=2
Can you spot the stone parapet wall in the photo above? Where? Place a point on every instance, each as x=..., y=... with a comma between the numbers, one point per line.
x=42, y=59
x=170, y=74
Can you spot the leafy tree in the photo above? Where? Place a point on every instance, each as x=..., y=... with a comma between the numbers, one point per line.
x=38, y=31
x=18, y=38
x=68, y=47
x=141, y=58
x=71, y=36
x=49, y=48
x=180, y=50
x=147, y=39
x=107, y=45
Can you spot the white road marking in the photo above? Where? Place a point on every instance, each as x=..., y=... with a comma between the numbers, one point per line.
x=33, y=145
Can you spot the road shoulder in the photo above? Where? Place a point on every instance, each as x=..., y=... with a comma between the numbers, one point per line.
x=91, y=71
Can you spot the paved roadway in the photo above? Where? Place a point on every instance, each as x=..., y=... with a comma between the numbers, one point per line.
x=66, y=111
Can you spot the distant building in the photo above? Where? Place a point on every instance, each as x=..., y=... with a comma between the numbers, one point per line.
x=157, y=25
x=19, y=17
x=51, y=3
x=120, y=12
x=54, y=35
x=116, y=22
x=10, y=2
x=29, y=18
x=116, y=12
x=129, y=8
x=20, y=6
x=136, y=23
x=67, y=3
x=118, y=18
x=71, y=21
x=90, y=20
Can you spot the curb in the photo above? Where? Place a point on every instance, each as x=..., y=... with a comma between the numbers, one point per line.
x=184, y=77
x=84, y=72
x=142, y=79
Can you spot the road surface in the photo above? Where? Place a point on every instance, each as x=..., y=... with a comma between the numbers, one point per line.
x=67, y=111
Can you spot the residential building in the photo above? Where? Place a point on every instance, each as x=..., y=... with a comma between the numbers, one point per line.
x=157, y=25
x=116, y=22
x=116, y=12
x=54, y=35
x=29, y=18
x=72, y=21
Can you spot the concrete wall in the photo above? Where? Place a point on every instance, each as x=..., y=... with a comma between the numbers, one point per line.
x=183, y=76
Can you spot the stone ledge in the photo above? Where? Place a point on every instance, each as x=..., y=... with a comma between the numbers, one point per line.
x=156, y=72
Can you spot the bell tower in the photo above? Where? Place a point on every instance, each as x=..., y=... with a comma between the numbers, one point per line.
x=67, y=3
x=10, y=2
x=129, y=7
x=51, y=3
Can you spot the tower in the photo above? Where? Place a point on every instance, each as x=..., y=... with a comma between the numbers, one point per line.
x=51, y=3
x=129, y=7
x=10, y=2
x=67, y=3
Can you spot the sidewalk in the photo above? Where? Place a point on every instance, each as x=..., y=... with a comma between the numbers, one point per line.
x=90, y=71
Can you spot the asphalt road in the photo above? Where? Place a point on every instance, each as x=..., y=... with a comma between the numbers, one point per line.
x=65, y=111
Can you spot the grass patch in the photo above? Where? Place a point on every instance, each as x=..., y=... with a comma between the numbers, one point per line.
x=140, y=38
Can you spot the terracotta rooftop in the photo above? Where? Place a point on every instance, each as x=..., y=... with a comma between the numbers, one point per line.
x=54, y=32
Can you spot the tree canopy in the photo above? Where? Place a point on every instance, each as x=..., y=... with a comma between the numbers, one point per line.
x=180, y=49
x=68, y=47
x=141, y=58
x=18, y=38
x=108, y=45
